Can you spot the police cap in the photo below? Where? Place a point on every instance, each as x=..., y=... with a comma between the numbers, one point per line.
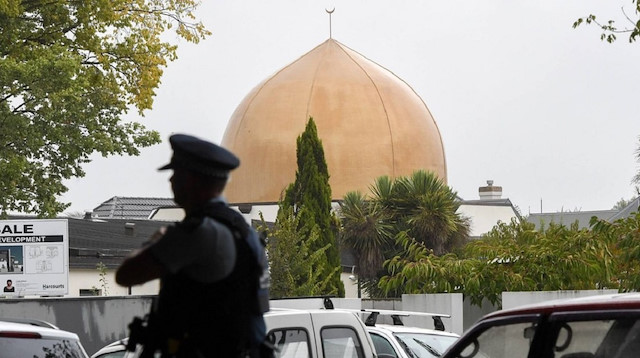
x=200, y=156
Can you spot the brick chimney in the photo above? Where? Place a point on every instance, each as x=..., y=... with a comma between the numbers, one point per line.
x=490, y=191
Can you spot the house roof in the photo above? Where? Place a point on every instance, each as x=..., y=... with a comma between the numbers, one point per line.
x=130, y=207
x=488, y=202
x=92, y=241
x=631, y=208
x=568, y=218
x=584, y=217
x=106, y=241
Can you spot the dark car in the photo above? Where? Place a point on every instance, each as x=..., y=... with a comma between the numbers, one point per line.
x=606, y=326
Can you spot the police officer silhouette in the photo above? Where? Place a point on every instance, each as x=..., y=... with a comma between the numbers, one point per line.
x=210, y=302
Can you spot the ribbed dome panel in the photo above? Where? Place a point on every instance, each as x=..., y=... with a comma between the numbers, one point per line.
x=371, y=123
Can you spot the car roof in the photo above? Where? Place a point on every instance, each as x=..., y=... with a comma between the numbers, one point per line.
x=33, y=322
x=45, y=332
x=408, y=329
x=590, y=303
x=295, y=311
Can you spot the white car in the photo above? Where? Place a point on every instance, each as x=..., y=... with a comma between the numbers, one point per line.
x=409, y=342
x=38, y=339
x=400, y=341
x=298, y=333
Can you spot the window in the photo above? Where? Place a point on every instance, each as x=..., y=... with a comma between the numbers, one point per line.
x=618, y=338
x=382, y=345
x=90, y=292
x=290, y=343
x=599, y=334
x=40, y=347
x=424, y=345
x=501, y=341
x=341, y=342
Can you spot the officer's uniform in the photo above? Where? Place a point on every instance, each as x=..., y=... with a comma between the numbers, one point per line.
x=205, y=252
x=203, y=306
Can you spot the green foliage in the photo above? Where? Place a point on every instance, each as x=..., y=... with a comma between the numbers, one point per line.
x=516, y=257
x=410, y=216
x=296, y=269
x=103, y=282
x=309, y=198
x=626, y=234
x=427, y=209
x=367, y=230
x=610, y=28
x=69, y=72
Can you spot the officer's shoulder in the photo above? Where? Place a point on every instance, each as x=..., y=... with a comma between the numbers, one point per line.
x=191, y=223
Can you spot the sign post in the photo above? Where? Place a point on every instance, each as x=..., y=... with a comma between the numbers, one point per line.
x=34, y=257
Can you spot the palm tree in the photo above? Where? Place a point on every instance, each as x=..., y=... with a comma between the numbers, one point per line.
x=418, y=208
x=366, y=231
x=428, y=209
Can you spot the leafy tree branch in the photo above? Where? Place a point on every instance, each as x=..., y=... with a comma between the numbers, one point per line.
x=610, y=28
x=69, y=73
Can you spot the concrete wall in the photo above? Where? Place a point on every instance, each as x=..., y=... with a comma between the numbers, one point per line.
x=515, y=299
x=472, y=313
x=443, y=303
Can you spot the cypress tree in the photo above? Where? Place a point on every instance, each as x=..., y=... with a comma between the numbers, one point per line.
x=311, y=190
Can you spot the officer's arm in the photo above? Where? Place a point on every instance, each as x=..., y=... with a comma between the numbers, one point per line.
x=139, y=268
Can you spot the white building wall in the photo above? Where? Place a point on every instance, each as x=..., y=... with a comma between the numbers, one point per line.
x=515, y=299
x=350, y=282
x=87, y=279
x=485, y=217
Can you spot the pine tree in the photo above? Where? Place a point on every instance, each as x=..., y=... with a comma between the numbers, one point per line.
x=311, y=191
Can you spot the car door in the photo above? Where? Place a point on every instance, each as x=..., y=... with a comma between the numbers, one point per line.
x=341, y=335
x=292, y=335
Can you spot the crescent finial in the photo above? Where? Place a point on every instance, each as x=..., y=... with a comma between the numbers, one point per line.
x=330, y=12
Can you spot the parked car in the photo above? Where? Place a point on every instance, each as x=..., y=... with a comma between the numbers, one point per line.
x=606, y=326
x=318, y=333
x=36, y=339
x=393, y=341
x=297, y=333
x=400, y=341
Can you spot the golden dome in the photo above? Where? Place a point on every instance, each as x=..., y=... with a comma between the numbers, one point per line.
x=370, y=122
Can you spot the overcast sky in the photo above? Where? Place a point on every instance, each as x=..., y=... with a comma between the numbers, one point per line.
x=548, y=112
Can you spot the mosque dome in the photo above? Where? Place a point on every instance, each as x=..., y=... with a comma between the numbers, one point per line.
x=371, y=123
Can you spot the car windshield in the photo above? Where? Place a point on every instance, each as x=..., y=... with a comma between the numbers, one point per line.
x=40, y=348
x=423, y=345
x=566, y=336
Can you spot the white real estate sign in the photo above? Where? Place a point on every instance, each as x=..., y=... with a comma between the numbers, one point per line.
x=34, y=255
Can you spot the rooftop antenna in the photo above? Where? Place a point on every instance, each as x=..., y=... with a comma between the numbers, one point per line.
x=330, y=12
